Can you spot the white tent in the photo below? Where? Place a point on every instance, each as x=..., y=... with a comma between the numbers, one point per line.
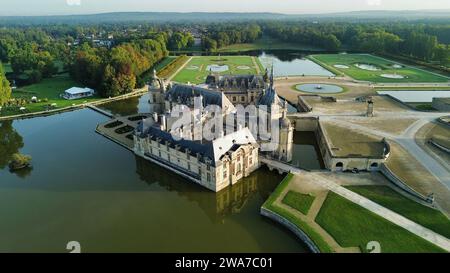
x=78, y=93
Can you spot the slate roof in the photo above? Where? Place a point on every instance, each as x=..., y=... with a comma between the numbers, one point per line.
x=213, y=150
x=270, y=97
x=183, y=93
x=236, y=81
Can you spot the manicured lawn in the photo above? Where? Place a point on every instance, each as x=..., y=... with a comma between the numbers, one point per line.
x=266, y=43
x=48, y=89
x=299, y=201
x=197, y=69
x=305, y=227
x=410, y=74
x=425, y=216
x=352, y=225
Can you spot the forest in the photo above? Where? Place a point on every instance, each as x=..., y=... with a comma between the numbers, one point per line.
x=113, y=58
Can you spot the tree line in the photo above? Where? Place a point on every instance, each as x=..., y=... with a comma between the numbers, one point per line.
x=426, y=43
x=222, y=35
x=119, y=70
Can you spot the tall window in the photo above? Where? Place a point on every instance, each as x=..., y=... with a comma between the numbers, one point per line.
x=225, y=174
x=208, y=177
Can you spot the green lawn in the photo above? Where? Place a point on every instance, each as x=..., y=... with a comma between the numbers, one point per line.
x=299, y=201
x=425, y=216
x=197, y=69
x=410, y=74
x=352, y=225
x=48, y=89
x=305, y=227
x=267, y=43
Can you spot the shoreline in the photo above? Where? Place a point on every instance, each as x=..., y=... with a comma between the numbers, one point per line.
x=137, y=92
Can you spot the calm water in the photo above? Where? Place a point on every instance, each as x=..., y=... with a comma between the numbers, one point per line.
x=324, y=88
x=306, y=153
x=416, y=96
x=294, y=65
x=86, y=188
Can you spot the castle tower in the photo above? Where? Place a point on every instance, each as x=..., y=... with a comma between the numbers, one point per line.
x=285, y=148
x=156, y=90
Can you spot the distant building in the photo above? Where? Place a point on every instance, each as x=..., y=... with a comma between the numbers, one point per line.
x=78, y=93
x=239, y=89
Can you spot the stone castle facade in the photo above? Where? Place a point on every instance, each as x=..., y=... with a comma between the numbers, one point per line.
x=222, y=162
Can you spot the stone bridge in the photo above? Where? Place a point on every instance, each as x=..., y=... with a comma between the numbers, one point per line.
x=281, y=167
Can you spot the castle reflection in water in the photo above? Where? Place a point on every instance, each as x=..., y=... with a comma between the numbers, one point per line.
x=217, y=206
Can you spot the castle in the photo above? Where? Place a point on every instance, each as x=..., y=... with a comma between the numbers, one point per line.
x=233, y=152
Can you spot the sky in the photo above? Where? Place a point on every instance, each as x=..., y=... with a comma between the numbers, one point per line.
x=62, y=7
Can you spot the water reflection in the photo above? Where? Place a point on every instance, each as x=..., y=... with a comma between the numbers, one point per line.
x=129, y=106
x=89, y=189
x=217, y=206
x=306, y=153
x=10, y=143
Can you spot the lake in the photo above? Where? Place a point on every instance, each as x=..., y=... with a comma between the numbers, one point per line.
x=85, y=188
x=295, y=65
x=416, y=95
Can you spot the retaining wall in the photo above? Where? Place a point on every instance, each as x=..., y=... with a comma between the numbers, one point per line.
x=399, y=183
x=297, y=231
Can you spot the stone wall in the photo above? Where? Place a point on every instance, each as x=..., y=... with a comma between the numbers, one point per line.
x=297, y=231
x=402, y=185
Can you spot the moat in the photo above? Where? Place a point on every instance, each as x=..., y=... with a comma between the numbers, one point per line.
x=85, y=188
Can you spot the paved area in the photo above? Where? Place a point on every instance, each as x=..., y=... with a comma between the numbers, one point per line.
x=407, y=141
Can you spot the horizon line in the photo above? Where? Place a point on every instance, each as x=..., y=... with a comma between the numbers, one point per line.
x=232, y=12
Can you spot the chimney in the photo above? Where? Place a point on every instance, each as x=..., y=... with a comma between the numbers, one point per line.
x=163, y=123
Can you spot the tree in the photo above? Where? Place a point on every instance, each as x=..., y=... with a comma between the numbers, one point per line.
x=19, y=161
x=442, y=54
x=5, y=88
x=10, y=142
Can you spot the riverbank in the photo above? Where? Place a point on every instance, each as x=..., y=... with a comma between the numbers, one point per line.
x=137, y=92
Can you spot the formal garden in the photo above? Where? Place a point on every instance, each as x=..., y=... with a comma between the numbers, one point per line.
x=198, y=68
x=366, y=67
